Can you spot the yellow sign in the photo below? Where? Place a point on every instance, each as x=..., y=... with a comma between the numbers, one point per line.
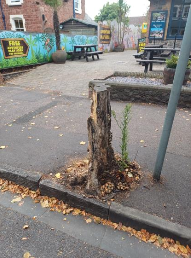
x=105, y=34
x=144, y=27
x=14, y=47
x=141, y=44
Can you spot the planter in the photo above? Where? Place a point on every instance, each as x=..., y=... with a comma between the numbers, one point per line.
x=119, y=48
x=168, y=75
x=59, y=57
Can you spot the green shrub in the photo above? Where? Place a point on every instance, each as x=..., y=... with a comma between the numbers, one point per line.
x=173, y=61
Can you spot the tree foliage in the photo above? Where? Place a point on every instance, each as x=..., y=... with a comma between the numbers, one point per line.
x=114, y=11
x=107, y=13
x=55, y=4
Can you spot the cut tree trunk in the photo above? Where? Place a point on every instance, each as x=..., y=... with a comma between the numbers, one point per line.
x=101, y=154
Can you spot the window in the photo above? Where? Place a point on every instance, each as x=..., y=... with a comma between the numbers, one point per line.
x=14, y=2
x=178, y=18
x=77, y=5
x=17, y=23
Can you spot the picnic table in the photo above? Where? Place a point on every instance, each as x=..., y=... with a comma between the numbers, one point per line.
x=85, y=51
x=155, y=55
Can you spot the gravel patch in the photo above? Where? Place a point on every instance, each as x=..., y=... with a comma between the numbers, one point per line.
x=144, y=81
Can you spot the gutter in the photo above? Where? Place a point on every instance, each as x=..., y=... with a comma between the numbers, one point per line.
x=3, y=16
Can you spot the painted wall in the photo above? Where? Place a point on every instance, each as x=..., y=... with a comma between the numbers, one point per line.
x=41, y=47
x=132, y=33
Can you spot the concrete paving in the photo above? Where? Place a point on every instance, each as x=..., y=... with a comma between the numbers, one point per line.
x=52, y=235
x=43, y=120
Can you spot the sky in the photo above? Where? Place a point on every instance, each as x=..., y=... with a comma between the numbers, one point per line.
x=138, y=7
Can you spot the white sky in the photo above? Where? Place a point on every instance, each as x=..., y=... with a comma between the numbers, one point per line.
x=138, y=7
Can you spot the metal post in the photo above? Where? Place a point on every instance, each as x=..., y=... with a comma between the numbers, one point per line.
x=174, y=98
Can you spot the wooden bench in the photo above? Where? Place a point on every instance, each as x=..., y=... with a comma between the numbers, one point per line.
x=138, y=55
x=92, y=54
x=146, y=63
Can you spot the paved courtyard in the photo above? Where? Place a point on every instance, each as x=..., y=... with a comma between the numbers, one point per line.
x=43, y=119
x=72, y=77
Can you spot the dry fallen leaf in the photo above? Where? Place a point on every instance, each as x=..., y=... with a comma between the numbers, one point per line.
x=24, y=238
x=27, y=255
x=18, y=199
x=44, y=204
x=3, y=147
x=25, y=226
x=88, y=220
x=82, y=143
x=58, y=175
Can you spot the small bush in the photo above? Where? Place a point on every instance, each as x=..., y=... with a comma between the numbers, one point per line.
x=173, y=61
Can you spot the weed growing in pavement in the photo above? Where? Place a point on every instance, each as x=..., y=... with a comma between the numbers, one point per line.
x=123, y=125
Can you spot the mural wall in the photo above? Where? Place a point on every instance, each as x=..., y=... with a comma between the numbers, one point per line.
x=131, y=35
x=40, y=47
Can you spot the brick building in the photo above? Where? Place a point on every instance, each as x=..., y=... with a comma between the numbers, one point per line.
x=35, y=16
x=167, y=19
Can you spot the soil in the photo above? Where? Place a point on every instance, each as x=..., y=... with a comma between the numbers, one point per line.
x=111, y=183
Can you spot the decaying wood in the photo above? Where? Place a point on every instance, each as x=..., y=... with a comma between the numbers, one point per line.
x=101, y=154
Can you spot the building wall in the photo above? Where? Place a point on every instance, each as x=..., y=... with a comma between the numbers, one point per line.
x=33, y=10
x=160, y=5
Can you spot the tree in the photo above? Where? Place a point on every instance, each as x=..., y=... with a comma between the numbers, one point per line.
x=115, y=11
x=55, y=4
x=107, y=13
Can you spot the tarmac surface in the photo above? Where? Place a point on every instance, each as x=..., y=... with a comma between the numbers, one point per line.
x=51, y=235
x=43, y=119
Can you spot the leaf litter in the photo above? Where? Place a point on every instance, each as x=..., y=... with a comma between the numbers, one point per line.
x=56, y=205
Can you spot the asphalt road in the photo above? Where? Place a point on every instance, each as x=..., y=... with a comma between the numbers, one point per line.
x=53, y=235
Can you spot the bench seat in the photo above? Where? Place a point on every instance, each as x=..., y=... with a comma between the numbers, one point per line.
x=147, y=62
x=92, y=54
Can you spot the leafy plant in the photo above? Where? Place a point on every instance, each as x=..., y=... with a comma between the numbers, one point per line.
x=173, y=61
x=55, y=4
x=123, y=125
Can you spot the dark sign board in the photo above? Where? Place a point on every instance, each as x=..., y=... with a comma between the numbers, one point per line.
x=105, y=34
x=141, y=44
x=14, y=47
x=158, y=24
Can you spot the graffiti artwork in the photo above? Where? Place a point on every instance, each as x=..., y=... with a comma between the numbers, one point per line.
x=19, y=48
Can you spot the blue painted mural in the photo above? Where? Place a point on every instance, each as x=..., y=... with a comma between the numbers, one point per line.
x=41, y=47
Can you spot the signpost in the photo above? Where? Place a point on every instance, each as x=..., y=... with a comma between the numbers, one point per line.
x=141, y=45
x=14, y=47
x=105, y=34
x=158, y=24
x=174, y=98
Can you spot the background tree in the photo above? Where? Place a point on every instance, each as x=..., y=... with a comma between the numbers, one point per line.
x=107, y=13
x=55, y=4
x=115, y=11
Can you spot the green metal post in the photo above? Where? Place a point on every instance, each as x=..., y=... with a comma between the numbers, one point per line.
x=174, y=97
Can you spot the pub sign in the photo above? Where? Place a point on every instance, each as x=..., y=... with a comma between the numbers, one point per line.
x=14, y=47
x=158, y=24
x=105, y=34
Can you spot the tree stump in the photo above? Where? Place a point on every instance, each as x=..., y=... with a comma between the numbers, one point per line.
x=101, y=154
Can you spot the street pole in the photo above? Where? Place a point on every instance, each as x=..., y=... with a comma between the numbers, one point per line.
x=174, y=97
